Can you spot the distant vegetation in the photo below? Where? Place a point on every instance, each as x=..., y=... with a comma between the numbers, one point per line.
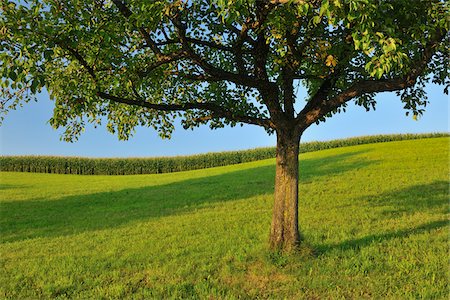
x=374, y=219
x=155, y=165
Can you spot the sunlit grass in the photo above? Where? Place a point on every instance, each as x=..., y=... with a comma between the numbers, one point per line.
x=374, y=220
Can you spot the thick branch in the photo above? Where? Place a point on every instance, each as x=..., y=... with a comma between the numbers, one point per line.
x=207, y=67
x=236, y=48
x=261, y=48
x=238, y=45
x=269, y=91
x=287, y=75
x=270, y=95
x=320, y=106
x=288, y=91
x=330, y=81
x=311, y=113
x=216, y=110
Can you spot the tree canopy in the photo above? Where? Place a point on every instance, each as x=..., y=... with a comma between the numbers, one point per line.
x=139, y=62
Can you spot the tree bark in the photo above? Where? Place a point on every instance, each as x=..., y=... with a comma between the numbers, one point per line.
x=284, y=234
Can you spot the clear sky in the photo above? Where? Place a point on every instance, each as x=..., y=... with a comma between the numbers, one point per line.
x=26, y=131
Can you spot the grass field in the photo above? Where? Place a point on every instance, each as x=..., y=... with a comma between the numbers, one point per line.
x=374, y=219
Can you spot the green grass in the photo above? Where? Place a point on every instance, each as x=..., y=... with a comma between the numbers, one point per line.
x=374, y=218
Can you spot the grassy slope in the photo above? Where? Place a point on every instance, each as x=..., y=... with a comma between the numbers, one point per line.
x=375, y=215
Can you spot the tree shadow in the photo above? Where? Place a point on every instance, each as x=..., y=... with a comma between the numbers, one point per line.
x=425, y=197
x=356, y=244
x=416, y=198
x=310, y=169
x=75, y=214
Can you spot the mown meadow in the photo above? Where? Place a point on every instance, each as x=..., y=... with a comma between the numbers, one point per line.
x=374, y=219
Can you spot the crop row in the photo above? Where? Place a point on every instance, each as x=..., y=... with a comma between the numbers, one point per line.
x=128, y=166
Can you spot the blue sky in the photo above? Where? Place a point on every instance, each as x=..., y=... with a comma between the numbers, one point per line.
x=26, y=131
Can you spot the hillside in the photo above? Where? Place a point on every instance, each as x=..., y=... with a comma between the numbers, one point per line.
x=374, y=220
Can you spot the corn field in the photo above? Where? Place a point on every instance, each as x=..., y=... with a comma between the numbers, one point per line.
x=155, y=165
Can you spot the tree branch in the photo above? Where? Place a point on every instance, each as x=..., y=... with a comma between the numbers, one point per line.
x=216, y=110
x=80, y=59
x=239, y=79
x=287, y=75
x=269, y=91
x=288, y=90
x=319, y=106
x=162, y=60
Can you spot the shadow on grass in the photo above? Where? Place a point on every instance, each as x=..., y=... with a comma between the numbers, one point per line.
x=425, y=197
x=75, y=214
x=310, y=169
x=378, y=238
x=415, y=198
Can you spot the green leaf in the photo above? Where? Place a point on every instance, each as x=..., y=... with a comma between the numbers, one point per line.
x=324, y=7
x=316, y=20
x=379, y=73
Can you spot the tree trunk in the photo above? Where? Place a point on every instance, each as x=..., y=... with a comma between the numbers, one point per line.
x=284, y=234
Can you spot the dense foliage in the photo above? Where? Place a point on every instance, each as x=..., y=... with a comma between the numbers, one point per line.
x=135, y=62
x=129, y=166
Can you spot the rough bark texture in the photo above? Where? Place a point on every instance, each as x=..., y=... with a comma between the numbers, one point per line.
x=284, y=235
